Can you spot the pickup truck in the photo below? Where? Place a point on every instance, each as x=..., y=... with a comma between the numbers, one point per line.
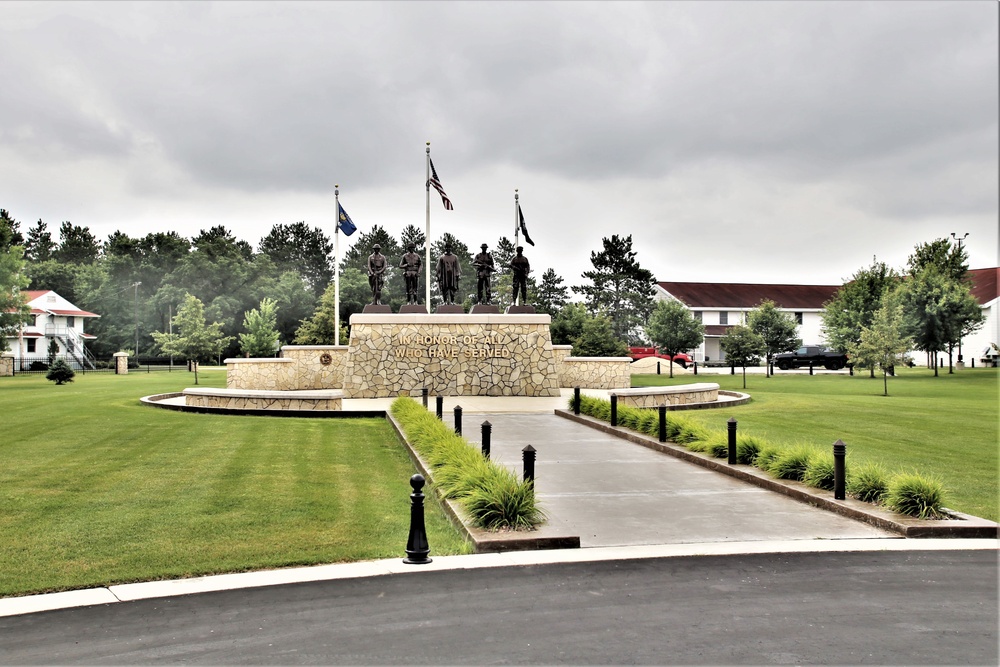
x=816, y=355
x=637, y=353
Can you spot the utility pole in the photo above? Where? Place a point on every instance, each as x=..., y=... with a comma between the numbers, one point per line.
x=959, y=239
x=135, y=285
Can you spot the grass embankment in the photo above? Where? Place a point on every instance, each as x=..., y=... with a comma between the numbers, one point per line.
x=98, y=489
x=944, y=427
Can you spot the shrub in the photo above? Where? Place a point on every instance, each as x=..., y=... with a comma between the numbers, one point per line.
x=60, y=372
x=914, y=495
x=747, y=448
x=489, y=492
x=868, y=483
x=819, y=471
x=715, y=445
x=38, y=366
x=791, y=463
x=503, y=501
x=649, y=422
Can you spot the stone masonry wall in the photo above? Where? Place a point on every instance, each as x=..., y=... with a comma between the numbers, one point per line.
x=595, y=372
x=273, y=374
x=451, y=355
x=679, y=395
x=311, y=372
x=263, y=403
x=6, y=366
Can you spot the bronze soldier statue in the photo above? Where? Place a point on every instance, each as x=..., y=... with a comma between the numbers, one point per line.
x=410, y=263
x=376, y=273
x=520, y=268
x=448, y=274
x=484, y=269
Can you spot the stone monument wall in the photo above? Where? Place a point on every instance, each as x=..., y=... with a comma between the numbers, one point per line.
x=274, y=374
x=451, y=355
x=595, y=372
x=6, y=365
x=317, y=366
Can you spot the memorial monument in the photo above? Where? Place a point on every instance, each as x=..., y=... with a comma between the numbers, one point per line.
x=484, y=271
x=411, y=263
x=449, y=272
x=376, y=274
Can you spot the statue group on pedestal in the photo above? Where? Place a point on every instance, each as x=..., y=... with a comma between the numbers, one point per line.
x=449, y=272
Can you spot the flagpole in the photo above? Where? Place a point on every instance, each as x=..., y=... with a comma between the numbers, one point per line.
x=517, y=238
x=427, y=234
x=336, y=264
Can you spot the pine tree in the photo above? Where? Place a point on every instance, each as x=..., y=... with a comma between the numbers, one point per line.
x=620, y=288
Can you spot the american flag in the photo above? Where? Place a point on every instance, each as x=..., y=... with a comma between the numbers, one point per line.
x=437, y=186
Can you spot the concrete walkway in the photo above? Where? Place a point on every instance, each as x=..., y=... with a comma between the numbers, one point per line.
x=611, y=492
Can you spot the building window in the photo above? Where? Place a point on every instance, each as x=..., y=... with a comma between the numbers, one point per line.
x=798, y=318
x=33, y=321
x=697, y=315
x=70, y=321
x=724, y=317
x=31, y=345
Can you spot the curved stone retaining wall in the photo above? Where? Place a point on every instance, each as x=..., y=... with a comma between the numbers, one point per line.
x=652, y=397
x=247, y=399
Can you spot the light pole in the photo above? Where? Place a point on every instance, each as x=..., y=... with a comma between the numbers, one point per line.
x=959, y=239
x=135, y=310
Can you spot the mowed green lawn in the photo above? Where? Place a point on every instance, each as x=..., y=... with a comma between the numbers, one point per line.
x=96, y=488
x=945, y=427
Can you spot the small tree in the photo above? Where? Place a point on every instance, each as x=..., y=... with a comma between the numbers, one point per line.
x=882, y=344
x=567, y=324
x=261, y=338
x=776, y=328
x=194, y=339
x=741, y=344
x=52, y=351
x=673, y=329
x=60, y=372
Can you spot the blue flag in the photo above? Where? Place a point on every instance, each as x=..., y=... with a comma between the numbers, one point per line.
x=344, y=221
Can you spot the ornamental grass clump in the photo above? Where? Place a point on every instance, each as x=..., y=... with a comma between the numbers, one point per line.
x=868, y=483
x=820, y=471
x=717, y=445
x=915, y=495
x=747, y=449
x=488, y=491
x=791, y=463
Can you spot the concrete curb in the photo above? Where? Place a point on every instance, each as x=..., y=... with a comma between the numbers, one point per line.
x=485, y=541
x=964, y=526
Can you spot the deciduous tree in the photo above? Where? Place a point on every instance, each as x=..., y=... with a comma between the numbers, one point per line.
x=777, y=328
x=673, y=329
x=882, y=343
x=13, y=309
x=741, y=344
x=193, y=338
x=261, y=337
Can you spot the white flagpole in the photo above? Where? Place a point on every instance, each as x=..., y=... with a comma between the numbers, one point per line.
x=427, y=234
x=336, y=263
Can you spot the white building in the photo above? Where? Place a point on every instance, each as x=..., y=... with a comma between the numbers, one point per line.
x=719, y=306
x=984, y=288
x=53, y=318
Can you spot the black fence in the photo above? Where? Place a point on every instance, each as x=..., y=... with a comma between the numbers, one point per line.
x=36, y=366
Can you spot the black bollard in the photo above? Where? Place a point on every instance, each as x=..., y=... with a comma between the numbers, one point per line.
x=732, y=440
x=810, y=368
x=487, y=429
x=528, y=460
x=458, y=419
x=973, y=362
x=732, y=369
x=614, y=409
x=663, y=422
x=696, y=368
x=850, y=370
x=416, y=544
x=423, y=395
x=576, y=400
x=657, y=367
x=439, y=407
x=839, y=452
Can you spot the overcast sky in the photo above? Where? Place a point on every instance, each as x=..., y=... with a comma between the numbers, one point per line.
x=740, y=142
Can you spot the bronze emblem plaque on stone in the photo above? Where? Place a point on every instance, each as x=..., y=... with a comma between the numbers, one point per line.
x=326, y=359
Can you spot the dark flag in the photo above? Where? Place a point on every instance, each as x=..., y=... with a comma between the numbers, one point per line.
x=344, y=222
x=437, y=186
x=524, y=230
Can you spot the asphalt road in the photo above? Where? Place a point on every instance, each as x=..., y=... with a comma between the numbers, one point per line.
x=829, y=608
